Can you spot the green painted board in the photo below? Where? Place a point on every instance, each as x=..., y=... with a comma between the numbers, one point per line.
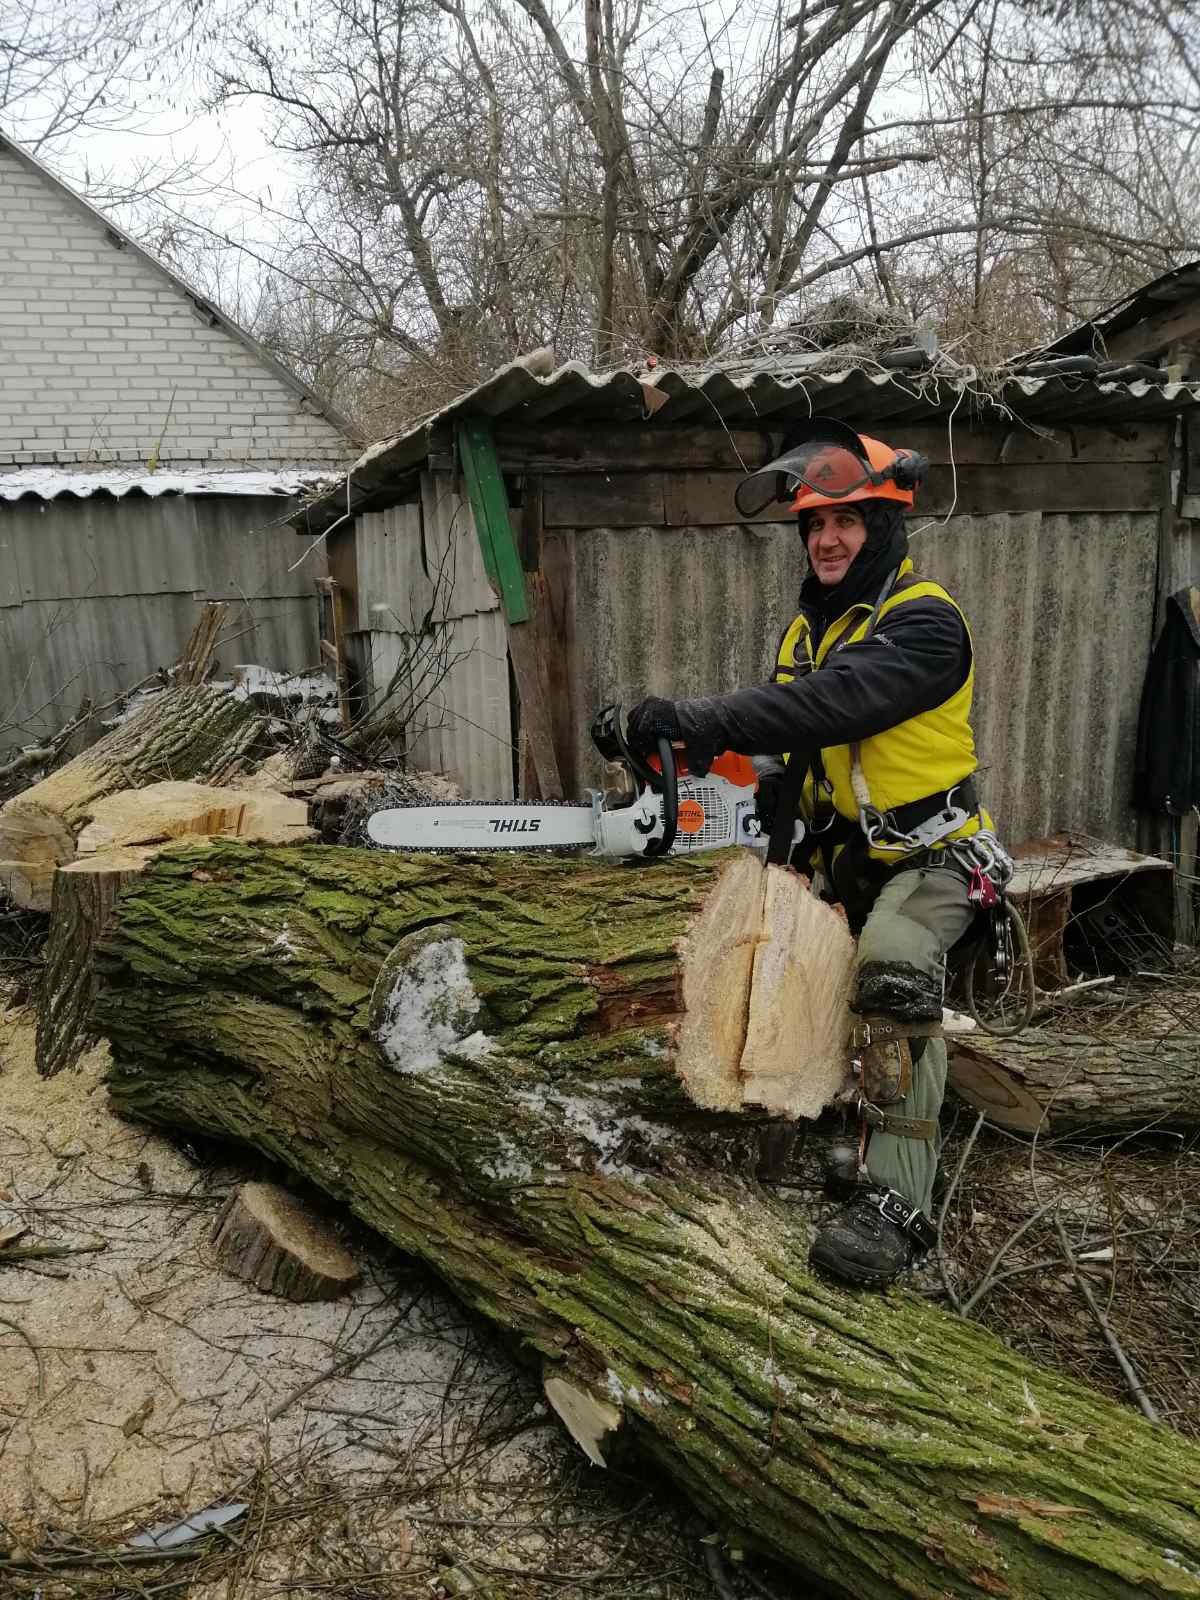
x=489, y=507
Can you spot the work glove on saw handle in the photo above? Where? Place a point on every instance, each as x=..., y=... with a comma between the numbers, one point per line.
x=766, y=799
x=654, y=719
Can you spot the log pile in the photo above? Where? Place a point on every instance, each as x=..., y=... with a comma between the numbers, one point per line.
x=531, y=1073
x=192, y=732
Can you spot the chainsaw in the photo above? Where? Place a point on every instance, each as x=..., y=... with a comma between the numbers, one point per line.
x=667, y=812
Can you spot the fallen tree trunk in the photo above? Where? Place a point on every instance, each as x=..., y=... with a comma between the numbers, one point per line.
x=1110, y=1081
x=492, y=1063
x=126, y=830
x=183, y=733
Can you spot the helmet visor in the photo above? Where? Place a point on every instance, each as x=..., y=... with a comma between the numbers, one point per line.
x=819, y=465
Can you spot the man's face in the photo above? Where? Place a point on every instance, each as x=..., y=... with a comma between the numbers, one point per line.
x=835, y=535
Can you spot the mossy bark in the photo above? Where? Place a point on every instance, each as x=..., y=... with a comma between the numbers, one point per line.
x=869, y=1439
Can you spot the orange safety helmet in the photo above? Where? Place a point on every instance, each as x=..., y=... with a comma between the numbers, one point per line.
x=826, y=463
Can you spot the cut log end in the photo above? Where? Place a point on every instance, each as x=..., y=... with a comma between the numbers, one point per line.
x=766, y=983
x=34, y=843
x=265, y=1236
x=799, y=1001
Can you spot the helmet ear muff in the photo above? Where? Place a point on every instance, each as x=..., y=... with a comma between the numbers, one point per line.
x=909, y=470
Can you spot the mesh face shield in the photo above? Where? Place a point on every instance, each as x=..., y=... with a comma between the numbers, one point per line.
x=823, y=466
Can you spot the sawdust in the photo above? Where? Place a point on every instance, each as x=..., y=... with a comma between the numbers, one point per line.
x=135, y=1379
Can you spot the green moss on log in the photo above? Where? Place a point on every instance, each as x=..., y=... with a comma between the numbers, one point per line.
x=872, y=1440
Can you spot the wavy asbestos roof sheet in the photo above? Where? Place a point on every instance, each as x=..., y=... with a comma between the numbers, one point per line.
x=51, y=483
x=770, y=392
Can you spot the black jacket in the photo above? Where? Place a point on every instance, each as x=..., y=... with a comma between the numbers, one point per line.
x=1167, y=769
x=919, y=654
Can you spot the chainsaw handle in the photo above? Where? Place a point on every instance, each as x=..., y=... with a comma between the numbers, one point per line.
x=608, y=736
x=668, y=785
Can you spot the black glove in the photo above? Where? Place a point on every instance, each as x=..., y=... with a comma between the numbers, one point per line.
x=648, y=722
x=766, y=800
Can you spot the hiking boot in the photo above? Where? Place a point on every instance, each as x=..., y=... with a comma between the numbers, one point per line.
x=872, y=1240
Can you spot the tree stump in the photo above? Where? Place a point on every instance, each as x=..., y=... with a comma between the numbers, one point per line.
x=265, y=1236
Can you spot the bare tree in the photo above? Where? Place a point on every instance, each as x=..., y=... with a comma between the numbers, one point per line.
x=620, y=178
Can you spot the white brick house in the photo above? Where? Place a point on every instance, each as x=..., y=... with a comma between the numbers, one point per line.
x=109, y=358
x=150, y=450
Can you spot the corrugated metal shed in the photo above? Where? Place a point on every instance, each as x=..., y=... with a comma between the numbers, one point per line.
x=49, y=483
x=1061, y=609
x=96, y=593
x=767, y=393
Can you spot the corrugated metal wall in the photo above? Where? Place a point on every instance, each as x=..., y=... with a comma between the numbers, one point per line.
x=423, y=559
x=97, y=593
x=1061, y=608
x=672, y=611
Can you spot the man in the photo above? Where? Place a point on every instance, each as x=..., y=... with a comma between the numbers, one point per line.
x=864, y=732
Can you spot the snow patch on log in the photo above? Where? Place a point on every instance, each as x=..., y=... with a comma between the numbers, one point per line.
x=430, y=1009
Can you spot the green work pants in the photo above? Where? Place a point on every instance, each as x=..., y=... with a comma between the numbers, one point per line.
x=918, y=915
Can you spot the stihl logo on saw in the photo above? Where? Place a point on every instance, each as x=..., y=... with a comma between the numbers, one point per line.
x=511, y=825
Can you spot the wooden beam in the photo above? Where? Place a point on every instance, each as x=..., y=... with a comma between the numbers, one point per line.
x=705, y=499
x=1153, y=333
x=636, y=447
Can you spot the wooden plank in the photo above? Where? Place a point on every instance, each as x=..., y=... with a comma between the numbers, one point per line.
x=605, y=500
x=335, y=649
x=1017, y=446
x=1153, y=333
x=528, y=656
x=705, y=499
x=560, y=652
x=493, y=526
x=984, y=491
x=633, y=447
x=649, y=447
x=341, y=553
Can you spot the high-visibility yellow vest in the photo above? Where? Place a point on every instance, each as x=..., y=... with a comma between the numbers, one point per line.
x=926, y=755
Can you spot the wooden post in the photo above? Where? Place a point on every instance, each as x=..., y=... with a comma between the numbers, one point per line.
x=334, y=650
x=521, y=594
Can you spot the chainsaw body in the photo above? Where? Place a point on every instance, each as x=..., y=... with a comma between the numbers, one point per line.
x=668, y=811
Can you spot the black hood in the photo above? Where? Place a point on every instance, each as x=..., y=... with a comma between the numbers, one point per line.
x=885, y=548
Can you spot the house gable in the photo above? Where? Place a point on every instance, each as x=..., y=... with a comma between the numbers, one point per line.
x=107, y=358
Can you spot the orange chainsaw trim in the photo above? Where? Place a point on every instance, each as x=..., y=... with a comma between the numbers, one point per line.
x=735, y=769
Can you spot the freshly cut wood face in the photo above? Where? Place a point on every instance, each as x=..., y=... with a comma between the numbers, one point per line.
x=767, y=973
x=172, y=810
x=265, y=1236
x=795, y=1061
x=718, y=962
x=34, y=842
x=587, y=1418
